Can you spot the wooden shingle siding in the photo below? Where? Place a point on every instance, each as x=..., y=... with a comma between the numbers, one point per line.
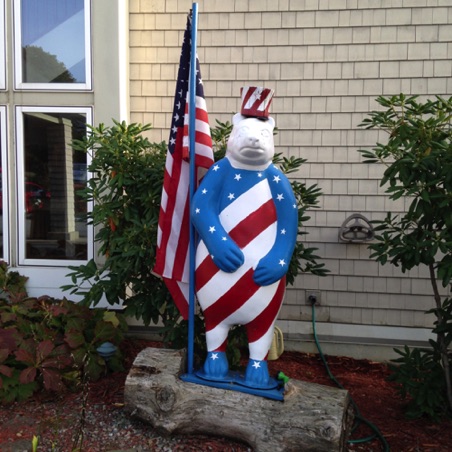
x=327, y=61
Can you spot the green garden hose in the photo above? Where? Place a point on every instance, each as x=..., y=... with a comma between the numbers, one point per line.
x=358, y=417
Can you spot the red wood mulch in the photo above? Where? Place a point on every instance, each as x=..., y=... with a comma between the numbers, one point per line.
x=56, y=419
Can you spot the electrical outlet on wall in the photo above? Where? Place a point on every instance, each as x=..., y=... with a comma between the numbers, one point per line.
x=313, y=297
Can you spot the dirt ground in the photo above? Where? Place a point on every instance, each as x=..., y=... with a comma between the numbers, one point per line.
x=58, y=421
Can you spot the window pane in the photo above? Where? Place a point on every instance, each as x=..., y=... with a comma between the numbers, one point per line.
x=54, y=212
x=53, y=41
x=2, y=46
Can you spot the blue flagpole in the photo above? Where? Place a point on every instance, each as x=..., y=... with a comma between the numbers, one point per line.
x=191, y=131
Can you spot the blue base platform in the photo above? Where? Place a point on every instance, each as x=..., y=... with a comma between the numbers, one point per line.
x=234, y=381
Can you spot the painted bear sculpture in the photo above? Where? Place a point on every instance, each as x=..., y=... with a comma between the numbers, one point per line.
x=246, y=216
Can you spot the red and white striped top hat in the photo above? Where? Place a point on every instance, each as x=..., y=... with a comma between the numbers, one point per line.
x=256, y=101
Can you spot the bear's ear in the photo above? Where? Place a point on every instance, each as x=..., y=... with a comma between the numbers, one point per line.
x=237, y=118
x=271, y=121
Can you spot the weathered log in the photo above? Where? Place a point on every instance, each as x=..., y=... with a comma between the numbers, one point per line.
x=312, y=417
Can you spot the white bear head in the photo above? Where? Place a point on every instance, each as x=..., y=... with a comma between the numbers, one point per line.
x=251, y=144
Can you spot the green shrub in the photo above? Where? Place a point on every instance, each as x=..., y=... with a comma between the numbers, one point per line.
x=418, y=160
x=126, y=186
x=12, y=284
x=420, y=379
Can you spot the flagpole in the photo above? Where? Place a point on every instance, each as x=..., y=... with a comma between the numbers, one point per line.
x=192, y=131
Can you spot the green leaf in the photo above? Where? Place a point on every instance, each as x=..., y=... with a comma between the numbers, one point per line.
x=94, y=367
x=74, y=338
x=111, y=317
x=12, y=390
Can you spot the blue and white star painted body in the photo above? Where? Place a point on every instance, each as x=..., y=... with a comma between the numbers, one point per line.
x=229, y=195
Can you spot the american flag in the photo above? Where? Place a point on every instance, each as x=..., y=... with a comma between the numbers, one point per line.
x=172, y=259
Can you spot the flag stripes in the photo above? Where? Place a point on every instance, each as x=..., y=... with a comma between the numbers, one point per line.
x=173, y=238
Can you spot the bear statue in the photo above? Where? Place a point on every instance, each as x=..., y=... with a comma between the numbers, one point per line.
x=246, y=216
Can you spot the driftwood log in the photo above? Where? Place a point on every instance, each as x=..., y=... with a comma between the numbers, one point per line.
x=312, y=417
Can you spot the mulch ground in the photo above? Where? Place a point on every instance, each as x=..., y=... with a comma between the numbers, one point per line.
x=58, y=420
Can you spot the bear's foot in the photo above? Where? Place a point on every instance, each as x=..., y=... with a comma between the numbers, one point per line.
x=215, y=367
x=256, y=375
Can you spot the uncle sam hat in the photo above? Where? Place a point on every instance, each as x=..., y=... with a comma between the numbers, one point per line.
x=256, y=101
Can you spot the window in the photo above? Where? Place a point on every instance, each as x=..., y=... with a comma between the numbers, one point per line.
x=48, y=67
x=52, y=44
x=51, y=221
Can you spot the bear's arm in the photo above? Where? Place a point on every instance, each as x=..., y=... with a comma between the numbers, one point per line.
x=205, y=215
x=275, y=264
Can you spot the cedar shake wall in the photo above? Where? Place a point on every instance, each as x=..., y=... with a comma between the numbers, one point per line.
x=327, y=61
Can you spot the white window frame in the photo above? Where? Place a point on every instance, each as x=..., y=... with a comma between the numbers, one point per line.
x=5, y=192
x=2, y=46
x=21, y=85
x=21, y=223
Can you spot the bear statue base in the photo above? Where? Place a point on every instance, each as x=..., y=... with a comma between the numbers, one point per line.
x=235, y=381
x=311, y=418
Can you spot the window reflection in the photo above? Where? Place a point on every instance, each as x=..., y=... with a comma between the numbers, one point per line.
x=55, y=214
x=2, y=47
x=53, y=41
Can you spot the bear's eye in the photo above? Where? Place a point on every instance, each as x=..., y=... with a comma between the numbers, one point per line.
x=243, y=131
x=265, y=133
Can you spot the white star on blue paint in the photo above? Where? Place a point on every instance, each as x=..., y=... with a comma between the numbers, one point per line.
x=237, y=177
x=212, y=229
x=276, y=179
x=231, y=196
x=282, y=262
x=280, y=197
x=256, y=364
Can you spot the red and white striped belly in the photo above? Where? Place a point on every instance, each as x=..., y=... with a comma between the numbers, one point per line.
x=234, y=298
